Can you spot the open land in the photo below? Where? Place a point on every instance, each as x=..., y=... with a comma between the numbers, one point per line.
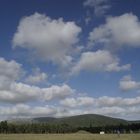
x=69, y=137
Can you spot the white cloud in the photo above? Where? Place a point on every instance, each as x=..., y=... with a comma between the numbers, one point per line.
x=104, y=101
x=57, y=92
x=131, y=101
x=120, y=31
x=37, y=77
x=75, y=102
x=19, y=93
x=44, y=111
x=130, y=113
x=23, y=110
x=109, y=101
x=101, y=60
x=100, y=6
x=51, y=39
x=10, y=90
x=9, y=72
x=127, y=83
x=127, y=108
x=113, y=111
x=13, y=91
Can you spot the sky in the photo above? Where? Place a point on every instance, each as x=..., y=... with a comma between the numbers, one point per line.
x=65, y=57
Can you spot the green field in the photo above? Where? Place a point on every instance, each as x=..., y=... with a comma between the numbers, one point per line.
x=69, y=137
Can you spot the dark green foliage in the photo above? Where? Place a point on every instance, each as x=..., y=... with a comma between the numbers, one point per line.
x=4, y=127
x=90, y=123
x=38, y=128
x=83, y=120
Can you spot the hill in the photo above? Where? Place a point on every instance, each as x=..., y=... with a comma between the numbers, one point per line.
x=76, y=121
x=89, y=123
x=82, y=120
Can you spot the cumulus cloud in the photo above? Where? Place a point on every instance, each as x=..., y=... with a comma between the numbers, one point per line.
x=109, y=101
x=117, y=101
x=57, y=92
x=124, y=108
x=19, y=92
x=129, y=113
x=37, y=77
x=75, y=102
x=23, y=110
x=13, y=91
x=120, y=112
x=120, y=31
x=51, y=39
x=127, y=83
x=9, y=72
x=104, y=101
x=10, y=89
x=100, y=6
x=101, y=60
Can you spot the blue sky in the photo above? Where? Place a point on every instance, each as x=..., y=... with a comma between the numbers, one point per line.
x=63, y=58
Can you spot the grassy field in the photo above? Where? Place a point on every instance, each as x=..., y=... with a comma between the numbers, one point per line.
x=69, y=137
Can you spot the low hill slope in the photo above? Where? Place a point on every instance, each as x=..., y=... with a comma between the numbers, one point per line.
x=82, y=120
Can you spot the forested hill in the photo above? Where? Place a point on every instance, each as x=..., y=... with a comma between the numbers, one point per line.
x=92, y=123
x=83, y=120
x=76, y=121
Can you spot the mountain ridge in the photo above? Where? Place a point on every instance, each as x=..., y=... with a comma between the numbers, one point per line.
x=85, y=120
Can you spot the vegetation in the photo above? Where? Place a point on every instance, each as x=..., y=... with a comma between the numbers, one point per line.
x=69, y=137
x=87, y=123
x=82, y=120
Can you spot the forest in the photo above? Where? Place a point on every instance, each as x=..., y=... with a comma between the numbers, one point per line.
x=43, y=128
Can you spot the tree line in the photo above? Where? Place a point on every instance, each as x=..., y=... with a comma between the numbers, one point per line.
x=42, y=128
x=122, y=128
x=35, y=128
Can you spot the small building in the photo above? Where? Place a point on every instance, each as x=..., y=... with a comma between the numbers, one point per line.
x=102, y=132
